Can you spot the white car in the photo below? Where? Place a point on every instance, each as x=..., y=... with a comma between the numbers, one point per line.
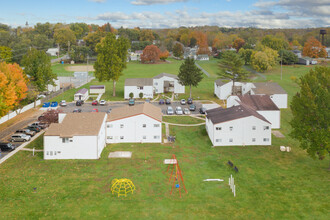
x=102, y=102
x=178, y=110
x=186, y=111
x=183, y=102
x=170, y=110
x=63, y=103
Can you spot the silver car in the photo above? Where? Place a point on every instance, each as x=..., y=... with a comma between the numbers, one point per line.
x=178, y=110
x=20, y=137
x=186, y=111
x=170, y=110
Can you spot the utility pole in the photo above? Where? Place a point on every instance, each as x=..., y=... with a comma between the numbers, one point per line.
x=68, y=47
x=87, y=68
x=58, y=47
x=281, y=63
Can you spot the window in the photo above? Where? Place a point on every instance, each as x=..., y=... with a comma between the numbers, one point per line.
x=231, y=128
x=218, y=140
x=121, y=126
x=253, y=140
x=230, y=140
x=144, y=125
x=156, y=137
x=144, y=137
x=156, y=125
x=121, y=137
x=140, y=87
x=266, y=127
x=47, y=153
x=71, y=140
x=156, y=83
x=109, y=126
x=266, y=139
x=218, y=128
x=51, y=153
x=254, y=128
x=65, y=140
x=109, y=137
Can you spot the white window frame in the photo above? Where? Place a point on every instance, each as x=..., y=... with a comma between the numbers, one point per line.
x=156, y=125
x=266, y=128
x=121, y=137
x=65, y=140
x=231, y=128
x=231, y=140
x=144, y=137
x=266, y=139
x=121, y=125
x=218, y=140
x=254, y=128
x=254, y=139
x=144, y=125
x=218, y=128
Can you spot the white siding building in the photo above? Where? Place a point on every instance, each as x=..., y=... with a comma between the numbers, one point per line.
x=135, y=124
x=82, y=94
x=237, y=126
x=262, y=104
x=97, y=89
x=54, y=88
x=166, y=82
x=77, y=136
x=137, y=86
x=223, y=89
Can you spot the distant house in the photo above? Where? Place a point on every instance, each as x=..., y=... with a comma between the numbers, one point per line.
x=260, y=103
x=202, y=57
x=307, y=61
x=166, y=82
x=76, y=136
x=237, y=126
x=137, y=86
x=52, y=51
x=82, y=94
x=224, y=88
x=141, y=123
x=134, y=57
x=297, y=53
x=97, y=89
x=328, y=51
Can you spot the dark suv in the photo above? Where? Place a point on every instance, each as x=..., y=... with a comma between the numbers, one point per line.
x=6, y=147
x=79, y=103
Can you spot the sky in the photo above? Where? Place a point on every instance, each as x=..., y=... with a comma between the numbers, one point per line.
x=170, y=13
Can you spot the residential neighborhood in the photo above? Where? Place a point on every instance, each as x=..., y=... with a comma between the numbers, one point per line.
x=164, y=109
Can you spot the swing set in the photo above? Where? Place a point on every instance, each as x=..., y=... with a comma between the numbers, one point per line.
x=176, y=174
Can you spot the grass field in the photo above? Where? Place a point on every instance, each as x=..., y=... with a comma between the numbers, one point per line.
x=182, y=120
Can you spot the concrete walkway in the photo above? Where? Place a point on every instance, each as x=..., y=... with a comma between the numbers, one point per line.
x=29, y=149
x=204, y=71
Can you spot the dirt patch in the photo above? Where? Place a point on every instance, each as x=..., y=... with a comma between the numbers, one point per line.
x=80, y=68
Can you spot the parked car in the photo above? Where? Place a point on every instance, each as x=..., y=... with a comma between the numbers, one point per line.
x=202, y=110
x=192, y=107
x=54, y=104
x=161, y=101
x=168, y=101
x=131, y=102
x=26, y=131
x=186, y=111
x=183, y=102
x=178, y=110
x=20, y=137
x=46, y=104
x=95, y=110
x=95, y=102
x=109, y=110
x=189, y=101
x=147, y=100
x=79, y=103
x=63, y=103
x=170, y=110
x=77, y=110
x=39, y=124
x=7, y=147
x=33, y=128
x=102, y=102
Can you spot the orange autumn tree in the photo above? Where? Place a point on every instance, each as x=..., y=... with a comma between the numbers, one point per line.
x=13, y=86
x=150, y=54
x=164, y=55
x=238, y=44
x=313, y=48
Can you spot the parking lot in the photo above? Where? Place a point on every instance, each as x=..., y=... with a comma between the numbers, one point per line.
x=88, y=107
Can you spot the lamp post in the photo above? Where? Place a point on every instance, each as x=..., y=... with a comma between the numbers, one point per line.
x=281, y=62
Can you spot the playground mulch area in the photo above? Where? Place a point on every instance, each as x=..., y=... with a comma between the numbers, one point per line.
x=270, y=184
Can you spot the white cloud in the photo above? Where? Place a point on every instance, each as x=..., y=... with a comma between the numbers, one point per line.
x=98, y=1
x=153, y=2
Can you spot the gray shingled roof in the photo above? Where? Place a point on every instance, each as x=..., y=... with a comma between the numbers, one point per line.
x=220, y=82
x=258, y=102
x=268, y=88
x=139, y=82
x=165, y=74
x=220, y=115
x=82, y=91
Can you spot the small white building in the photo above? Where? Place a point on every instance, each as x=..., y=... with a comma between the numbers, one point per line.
x=166, y=82
x=260, y=103
x=52, y=51
x=135, y=124
x=224, y=88
x=202, y=57
x=97, y=89
x=237, y=126
x=76, y=136
x=134, y=56
x=82, y=94
x=137, y=86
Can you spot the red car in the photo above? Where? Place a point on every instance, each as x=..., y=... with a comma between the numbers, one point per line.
x=94, y=102
x=95, y=110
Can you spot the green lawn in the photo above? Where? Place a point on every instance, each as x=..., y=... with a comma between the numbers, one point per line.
x=182, y=120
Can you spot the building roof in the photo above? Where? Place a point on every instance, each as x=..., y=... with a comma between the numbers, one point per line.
x=82, y=91
x=165, y=74
x=268, y=88
x=220, y=115
x=97, y=87
x=77, y=124
x=220, y=82
x=129, y=111
x=139, y=82
x=258, y=102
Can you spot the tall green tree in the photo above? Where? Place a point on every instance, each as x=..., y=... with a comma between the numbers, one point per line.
x=178, y=50
x=275, y=43
x=79, y=53
x=189, y=74
x=63, y=36
x=5, y=54
x=288, y=57
x=311, y=115
x=231, y=66
x=111, y=59
x=37, y=66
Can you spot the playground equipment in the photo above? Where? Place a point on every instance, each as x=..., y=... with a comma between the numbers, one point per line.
x=232, y=185
x=176, y=173
x=122, y=186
